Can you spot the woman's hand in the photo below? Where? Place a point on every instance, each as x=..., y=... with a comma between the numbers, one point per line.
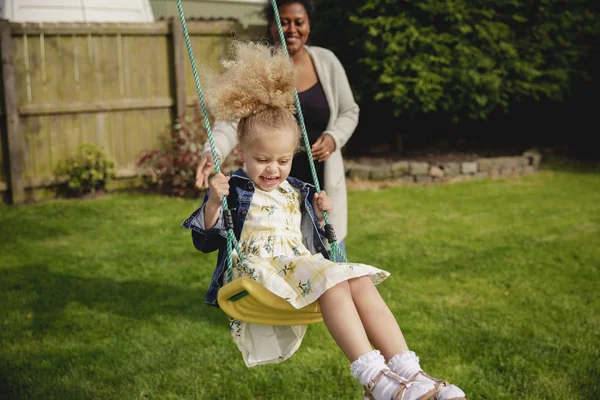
x=205, y=168
x=321, y=203
x=323, y=147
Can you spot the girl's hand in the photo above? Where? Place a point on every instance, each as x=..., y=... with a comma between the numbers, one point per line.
x=219, y=187
x=323, y=147
x=321, y=203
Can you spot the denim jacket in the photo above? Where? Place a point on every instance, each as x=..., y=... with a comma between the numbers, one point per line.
x=241, y=190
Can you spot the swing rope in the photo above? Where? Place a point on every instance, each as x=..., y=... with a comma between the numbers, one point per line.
x=228, y=219
x=335, y=248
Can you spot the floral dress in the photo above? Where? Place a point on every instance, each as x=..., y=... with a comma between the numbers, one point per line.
x=275, y=256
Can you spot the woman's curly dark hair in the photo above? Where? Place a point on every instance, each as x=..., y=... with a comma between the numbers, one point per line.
x=269, y=14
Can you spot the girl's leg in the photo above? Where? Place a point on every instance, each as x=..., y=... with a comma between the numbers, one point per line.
x=378, y=321
x=343, y=321
x=344, y=324
x=385, y=334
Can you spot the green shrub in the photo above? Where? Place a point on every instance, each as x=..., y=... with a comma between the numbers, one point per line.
x=88, y=171
x=465, y=59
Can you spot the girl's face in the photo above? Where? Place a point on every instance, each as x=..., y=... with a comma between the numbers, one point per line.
x=268, y=156
x=295, y=26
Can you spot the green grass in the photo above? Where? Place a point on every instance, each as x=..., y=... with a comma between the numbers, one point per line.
x=495, y=284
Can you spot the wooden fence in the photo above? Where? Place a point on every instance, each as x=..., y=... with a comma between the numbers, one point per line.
x=117, y=85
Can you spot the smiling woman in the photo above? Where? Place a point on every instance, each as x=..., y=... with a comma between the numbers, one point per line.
x=328, y=107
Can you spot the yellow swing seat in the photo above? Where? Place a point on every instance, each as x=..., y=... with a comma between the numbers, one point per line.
x=261, y=306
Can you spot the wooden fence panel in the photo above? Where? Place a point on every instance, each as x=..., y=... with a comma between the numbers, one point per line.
x=110, y=89
x=4, y=167
x=116, y=85
x=14, y=150
x=210, y=43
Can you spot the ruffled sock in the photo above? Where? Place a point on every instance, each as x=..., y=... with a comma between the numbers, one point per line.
x=366, y=368
x=406, y=364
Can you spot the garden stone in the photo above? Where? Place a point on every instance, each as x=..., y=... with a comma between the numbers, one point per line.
x=436, y=172
x=381, y=173
x=485, y=164
x=511, y=162
x=359, y=171
x=523, y=161
x=469, y=167
x=534, y=158
x=419, y=168
x=348, y=165
x=451, y=169
x=399, y=168
x=493, y=173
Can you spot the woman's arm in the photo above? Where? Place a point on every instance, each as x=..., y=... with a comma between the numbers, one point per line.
x=225, y=139
x=347, y=118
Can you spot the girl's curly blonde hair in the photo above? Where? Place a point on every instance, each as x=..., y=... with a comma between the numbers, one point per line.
x=256, y=88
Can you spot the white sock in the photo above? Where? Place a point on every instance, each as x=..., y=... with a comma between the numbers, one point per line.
x=367, y=366
x=406, y=364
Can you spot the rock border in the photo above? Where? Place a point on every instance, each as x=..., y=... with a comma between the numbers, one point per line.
x=419, y=172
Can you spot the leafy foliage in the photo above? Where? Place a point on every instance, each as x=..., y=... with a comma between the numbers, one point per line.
x=88, y=171
x=171, y=169
x=463, y=58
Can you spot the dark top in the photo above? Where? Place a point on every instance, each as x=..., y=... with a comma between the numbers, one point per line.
x=315, y=111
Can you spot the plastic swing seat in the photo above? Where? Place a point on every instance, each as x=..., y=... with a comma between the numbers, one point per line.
x=260, y=306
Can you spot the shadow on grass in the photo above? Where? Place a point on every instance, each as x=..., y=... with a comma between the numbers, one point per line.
x=30, y=369
x=36, y=377
x=52, y=292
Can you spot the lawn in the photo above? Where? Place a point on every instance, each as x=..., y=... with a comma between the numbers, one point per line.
x=495, y=284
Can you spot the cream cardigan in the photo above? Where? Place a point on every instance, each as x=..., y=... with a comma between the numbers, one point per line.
x=343, y=119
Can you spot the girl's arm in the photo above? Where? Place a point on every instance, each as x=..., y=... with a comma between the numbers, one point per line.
x=206, y=223
x=313, y=235
x=205, y=239
x=321, y=202
x=219, y=187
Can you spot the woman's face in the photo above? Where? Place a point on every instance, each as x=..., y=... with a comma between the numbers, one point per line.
x=295, y=26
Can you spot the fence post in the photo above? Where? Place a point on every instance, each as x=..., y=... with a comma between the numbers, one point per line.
x=178, y=45
x=15, y=142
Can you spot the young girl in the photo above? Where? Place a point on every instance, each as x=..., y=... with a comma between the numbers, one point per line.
x=278, y=223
